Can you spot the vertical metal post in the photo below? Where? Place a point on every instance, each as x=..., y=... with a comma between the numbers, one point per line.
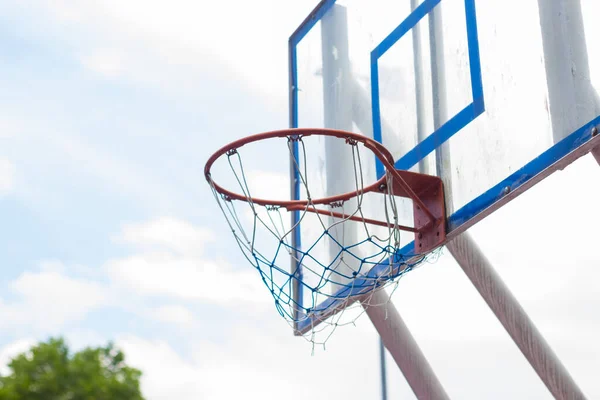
x=404, y=349
x=440, y=107
x=477, y=267
x=337, y=103
x=383, y=370
x=341, y=102
x=572, y=99
x=419, y=87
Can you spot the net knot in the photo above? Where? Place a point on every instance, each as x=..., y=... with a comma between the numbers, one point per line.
x=294, y=138
x=336, y=204
x=351, y=142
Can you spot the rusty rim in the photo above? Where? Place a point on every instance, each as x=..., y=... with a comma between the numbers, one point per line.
x=296, y=134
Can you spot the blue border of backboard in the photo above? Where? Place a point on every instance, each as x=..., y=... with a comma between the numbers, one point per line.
x=520, y=179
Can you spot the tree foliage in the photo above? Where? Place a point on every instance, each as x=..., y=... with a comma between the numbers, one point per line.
x=48, y=371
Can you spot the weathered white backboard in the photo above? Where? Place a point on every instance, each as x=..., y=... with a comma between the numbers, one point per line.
x=490, y=96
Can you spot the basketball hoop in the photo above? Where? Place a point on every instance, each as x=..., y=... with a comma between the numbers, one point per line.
x=368, y=251
x=424, y=190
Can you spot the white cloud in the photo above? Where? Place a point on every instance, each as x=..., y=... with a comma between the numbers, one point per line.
x=60, y=289
x=11, y=350
x=51, y=266
x=162, y=274
x=104, y=62
x=269, y=184
x=120, y=175
x=171, y=264
x=173, y=314
x=47, y=300
x=11, y=126
x=166, y=374
x=242, y=39
x=7, y=173
x=264, y=360
x=167, y=233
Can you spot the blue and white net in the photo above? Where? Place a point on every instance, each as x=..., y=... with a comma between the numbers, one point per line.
x=321, y=270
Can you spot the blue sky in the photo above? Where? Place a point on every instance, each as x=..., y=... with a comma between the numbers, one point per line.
x=108, y=112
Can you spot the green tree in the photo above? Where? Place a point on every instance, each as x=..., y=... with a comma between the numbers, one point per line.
x=48, y=371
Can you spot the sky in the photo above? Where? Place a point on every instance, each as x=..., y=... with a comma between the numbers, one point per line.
x=108, y=112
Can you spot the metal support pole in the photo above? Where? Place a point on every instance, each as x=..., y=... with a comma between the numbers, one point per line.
x=341, y=103
x=474, y=263
x=572, y=98
x=419, y=88
x=513, y=317
x=440, y=103
x=337, y=112
x=596, y=154
x=404, y=349
x=383, y=370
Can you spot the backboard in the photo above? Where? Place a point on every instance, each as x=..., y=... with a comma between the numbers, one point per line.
x=492, y=97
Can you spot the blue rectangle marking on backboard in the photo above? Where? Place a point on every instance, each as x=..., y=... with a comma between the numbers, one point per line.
x=454, y=124
x=405, y=26
x=474, y=57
